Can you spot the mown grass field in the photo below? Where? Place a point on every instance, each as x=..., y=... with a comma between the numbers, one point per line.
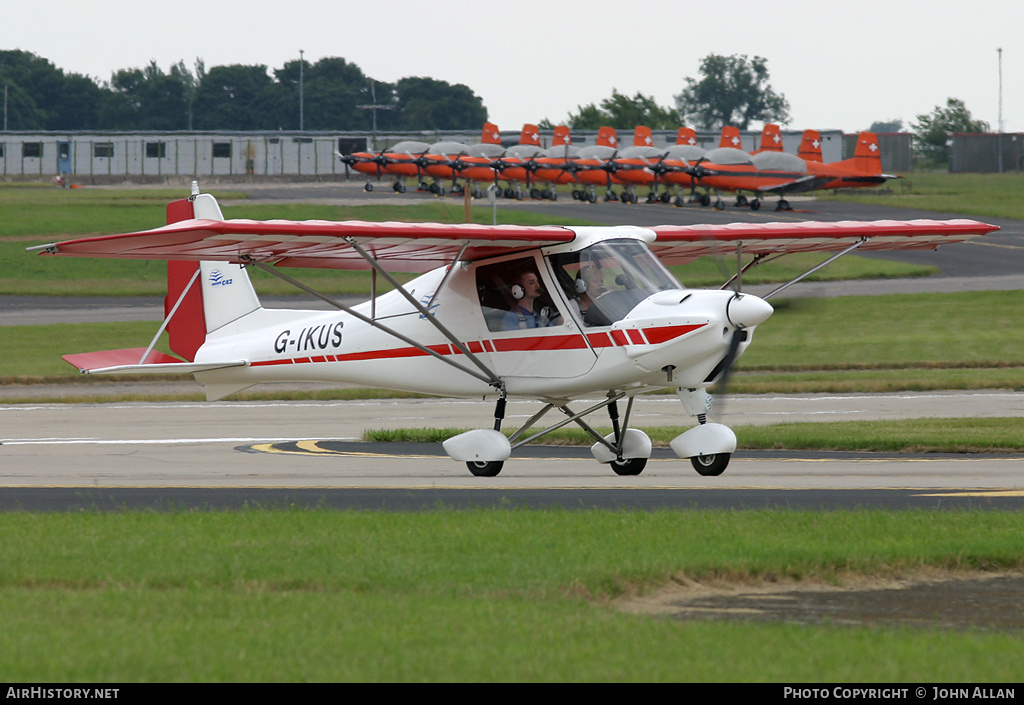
x=981, y=195
x=470, y=596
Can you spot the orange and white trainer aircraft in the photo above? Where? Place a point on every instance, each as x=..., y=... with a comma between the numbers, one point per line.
x=550, y=313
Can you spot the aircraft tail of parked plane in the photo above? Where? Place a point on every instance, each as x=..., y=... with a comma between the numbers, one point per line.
x=731, y=138
x=491, y=134
x=771, y=139
x=810, y=146
x=562, y=137
x=867, y=157
x=642, y=136
x=530, y=135
x=607, y=137
x=687, y=136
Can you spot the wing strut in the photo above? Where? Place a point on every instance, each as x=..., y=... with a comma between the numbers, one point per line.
x=814, y=269
x=492, y=380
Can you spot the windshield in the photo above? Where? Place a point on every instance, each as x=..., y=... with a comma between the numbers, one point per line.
x=607, y=280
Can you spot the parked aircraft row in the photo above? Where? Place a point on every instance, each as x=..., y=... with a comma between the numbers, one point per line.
x=680, y=173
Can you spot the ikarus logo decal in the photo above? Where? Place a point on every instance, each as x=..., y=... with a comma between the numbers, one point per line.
x=431, y=308
x=217, y=278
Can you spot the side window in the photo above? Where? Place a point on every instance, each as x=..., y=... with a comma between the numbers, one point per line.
x=513, y=296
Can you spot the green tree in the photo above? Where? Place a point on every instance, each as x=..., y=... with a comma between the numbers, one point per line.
x=886, y=126
x=41, y=97
x=429, y=104
x=149, y=99
x=732, y=90
x=235, y=97
x=624, y=113
x=933, y=131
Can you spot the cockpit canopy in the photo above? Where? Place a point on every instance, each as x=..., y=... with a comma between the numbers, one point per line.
x=609, y=278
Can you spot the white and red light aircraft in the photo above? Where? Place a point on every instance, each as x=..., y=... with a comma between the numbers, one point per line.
x=549, y=313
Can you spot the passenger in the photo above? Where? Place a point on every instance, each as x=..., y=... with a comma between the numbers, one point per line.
x=525, y=312
x=589, y=286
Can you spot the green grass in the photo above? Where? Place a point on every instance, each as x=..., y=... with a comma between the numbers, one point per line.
x=980, y=195
x=962, y=329
x=506, y=595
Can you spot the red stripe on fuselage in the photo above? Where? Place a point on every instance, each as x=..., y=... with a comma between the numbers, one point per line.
x=665, y=333
x=522, y=344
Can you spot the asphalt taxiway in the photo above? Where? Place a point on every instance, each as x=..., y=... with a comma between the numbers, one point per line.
x=200, y=454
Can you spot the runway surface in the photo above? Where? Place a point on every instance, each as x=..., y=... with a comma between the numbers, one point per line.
x=204, y=454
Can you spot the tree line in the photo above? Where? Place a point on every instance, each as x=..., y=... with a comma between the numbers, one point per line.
x=41, y=96
x=336, y=95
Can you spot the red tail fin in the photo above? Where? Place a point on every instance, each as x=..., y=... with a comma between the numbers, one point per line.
x=606, y=137
x=810, y=146
x=187, y=329
x=686, y=135
x=642, y=136
x=867, y=157
x=731, y=137
x=771, y=138
x=531, y=135
x=561, y=137
x=491, y=134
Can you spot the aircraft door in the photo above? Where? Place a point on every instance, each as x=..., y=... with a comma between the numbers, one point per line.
x=527, y=324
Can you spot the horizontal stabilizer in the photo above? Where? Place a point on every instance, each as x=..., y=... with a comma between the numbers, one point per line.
x=129, y=360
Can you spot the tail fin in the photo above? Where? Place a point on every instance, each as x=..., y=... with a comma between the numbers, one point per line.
x=810, y=146
x=531, y=135
x=771, y=138
x=491, y=134
x=867, y=157
x=561, y=137
x=686, y=135
x=642, y=136
x=606, y=137
x=224, y=294
x=731, y=137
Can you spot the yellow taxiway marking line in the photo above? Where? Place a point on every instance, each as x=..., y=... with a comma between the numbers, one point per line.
x=975, y=493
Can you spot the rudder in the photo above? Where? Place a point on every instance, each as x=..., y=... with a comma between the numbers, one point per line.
x=224, y=293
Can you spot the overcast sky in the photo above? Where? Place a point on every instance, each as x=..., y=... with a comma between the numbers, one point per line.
x=840, y=65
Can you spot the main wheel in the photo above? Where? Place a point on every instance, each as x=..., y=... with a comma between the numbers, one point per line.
x=485, y=468
x=629, y=466
x=710, y=465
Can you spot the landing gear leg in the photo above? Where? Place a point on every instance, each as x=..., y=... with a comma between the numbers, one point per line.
x=490, y=468
x=708, y=446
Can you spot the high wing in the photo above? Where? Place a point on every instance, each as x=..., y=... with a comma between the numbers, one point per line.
x=678, y=244
x=401, y=247
x=420, y=247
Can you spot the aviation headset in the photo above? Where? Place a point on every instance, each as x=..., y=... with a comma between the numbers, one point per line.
x=581, y=280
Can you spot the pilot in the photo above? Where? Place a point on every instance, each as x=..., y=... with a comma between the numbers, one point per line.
x=526, y=312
